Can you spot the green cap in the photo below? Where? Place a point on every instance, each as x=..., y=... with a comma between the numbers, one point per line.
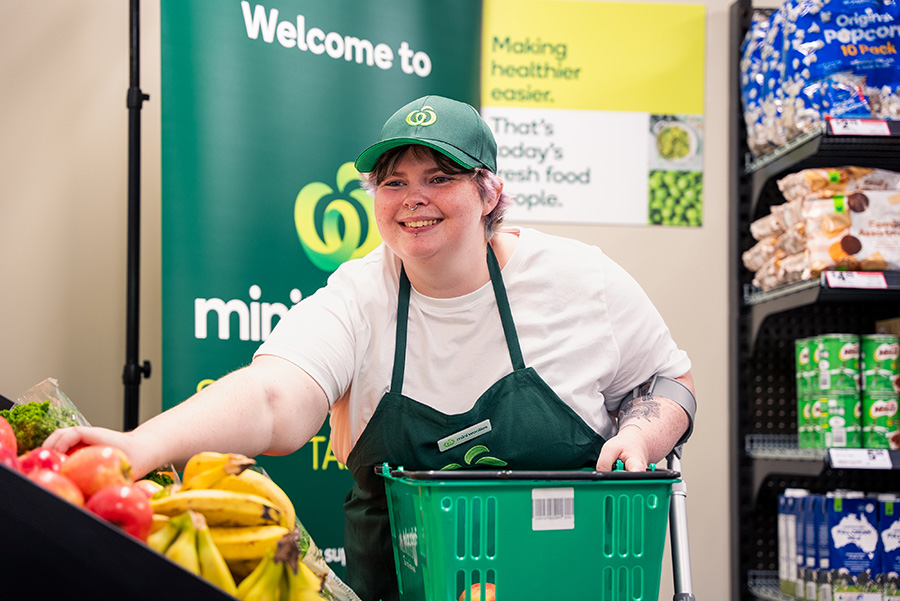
x=451, y=127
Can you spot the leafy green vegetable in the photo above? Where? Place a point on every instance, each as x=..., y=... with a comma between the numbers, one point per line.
x=160, y=478
x=33, y=422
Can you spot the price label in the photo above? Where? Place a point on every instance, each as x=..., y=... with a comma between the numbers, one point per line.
x=871, y=280
x=859, y=127
x=865, y=459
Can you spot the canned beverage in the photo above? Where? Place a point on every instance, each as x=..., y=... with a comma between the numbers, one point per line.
x=880, y=420
x=818, y=422
x=878, y=360
x=805, y=422
x=804, y=366
x=844, y=428
x=838, y=363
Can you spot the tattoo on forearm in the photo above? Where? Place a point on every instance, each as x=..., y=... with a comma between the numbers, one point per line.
x=645, y=407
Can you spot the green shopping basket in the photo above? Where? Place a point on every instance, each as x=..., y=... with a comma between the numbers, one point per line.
x=528, y=534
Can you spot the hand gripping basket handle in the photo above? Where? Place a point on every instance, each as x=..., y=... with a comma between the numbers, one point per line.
x=681, y=557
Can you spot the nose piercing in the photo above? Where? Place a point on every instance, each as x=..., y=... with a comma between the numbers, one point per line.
x=414, y=207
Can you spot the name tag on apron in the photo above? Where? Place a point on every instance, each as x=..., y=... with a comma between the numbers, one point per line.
x=463, y=436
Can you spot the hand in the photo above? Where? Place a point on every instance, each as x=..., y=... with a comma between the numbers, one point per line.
x=630, y=446
x=64, y=439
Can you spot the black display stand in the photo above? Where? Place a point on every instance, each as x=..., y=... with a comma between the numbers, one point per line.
x=55, y=550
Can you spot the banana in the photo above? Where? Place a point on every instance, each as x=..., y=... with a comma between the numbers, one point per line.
x=264, y=583
x=250, y=481
x=184, y=550
x=159, y=521
x=163, y=537
x=202, y=462
x=220, y=507
x=212, y=565
x=249, y=542
x=299, y=583
x=230, y=464
x=303, y=581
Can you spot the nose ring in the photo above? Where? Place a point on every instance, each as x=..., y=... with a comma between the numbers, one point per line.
x=414, y=207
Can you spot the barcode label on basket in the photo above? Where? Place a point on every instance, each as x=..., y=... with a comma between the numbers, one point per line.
x=553, y=508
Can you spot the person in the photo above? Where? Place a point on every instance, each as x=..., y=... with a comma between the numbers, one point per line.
x=455, y=331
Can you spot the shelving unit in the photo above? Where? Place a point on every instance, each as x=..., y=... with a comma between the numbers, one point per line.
x=764, y=456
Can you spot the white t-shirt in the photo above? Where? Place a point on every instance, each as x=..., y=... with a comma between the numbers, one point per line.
x=584, y=325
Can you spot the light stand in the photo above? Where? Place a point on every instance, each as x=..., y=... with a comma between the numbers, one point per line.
x=133, y=372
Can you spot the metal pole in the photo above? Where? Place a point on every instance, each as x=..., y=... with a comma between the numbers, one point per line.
x=133, y=372
x=678, y=532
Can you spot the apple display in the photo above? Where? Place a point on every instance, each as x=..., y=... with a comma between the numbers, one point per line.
x=475, y=592
x=7, y=435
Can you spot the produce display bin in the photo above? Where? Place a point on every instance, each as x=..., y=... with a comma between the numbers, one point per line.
x=566, y=535
x=55, y=550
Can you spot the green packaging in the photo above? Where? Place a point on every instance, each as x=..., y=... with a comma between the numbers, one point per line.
x=818, y=422
x=805, y=366
x=844, y=426
x=879, y=420
x=879, y=355
x=838, y=363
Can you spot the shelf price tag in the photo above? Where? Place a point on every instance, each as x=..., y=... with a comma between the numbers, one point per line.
x=870, y=280
x=866, y=459
x=859, y=127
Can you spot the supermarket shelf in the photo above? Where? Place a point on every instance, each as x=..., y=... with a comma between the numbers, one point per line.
x=779, y=446
x=809, y=292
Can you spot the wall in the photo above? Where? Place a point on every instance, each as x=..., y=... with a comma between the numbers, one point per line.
x=63, y=211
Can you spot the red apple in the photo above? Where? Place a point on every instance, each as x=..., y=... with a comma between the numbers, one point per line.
x=124, y=506
x=57, y=484
x=9, y=458
x=96, y=466
x=41, y=457
x=475, y=592
x=75, y=447
x=7, y=435
x=149, y=487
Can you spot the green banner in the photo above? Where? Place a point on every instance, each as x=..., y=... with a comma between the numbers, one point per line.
x=264, y=108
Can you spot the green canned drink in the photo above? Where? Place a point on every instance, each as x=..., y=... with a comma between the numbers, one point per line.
x=879, y=355
x=839, y=363
x=818, y=422
x=880, y=419
x=844, y=427
x=804, y=367
x=805, y=423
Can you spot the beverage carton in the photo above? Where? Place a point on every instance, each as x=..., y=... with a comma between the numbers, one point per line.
x=854, y=550
x=889, y=526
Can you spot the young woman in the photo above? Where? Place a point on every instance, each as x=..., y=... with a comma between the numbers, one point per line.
x=455, y=331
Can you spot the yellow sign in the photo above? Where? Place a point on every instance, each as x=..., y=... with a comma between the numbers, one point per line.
x=598, y=56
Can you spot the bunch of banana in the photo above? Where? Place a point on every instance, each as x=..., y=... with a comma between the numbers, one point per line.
x=186, y=540
x=281, y=576
x=246, y=511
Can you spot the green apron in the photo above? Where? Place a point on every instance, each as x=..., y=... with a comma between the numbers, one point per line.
x=530, y=427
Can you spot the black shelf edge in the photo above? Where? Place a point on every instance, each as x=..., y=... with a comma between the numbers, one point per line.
x=820, y=148
x=800, y=294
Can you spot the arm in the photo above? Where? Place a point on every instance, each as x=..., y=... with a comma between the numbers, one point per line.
x=270, y=406
x=649, y=428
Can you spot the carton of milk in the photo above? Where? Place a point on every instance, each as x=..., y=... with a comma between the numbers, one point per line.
x=889, y=525
x=854, y=550
x=815, y=541
x=789, y=512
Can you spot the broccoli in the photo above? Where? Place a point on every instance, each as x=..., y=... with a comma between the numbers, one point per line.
x=33, y=422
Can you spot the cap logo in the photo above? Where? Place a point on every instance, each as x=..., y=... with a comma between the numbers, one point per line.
x=421, y=117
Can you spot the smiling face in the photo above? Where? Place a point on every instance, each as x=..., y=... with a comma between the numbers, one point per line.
x=446, y=229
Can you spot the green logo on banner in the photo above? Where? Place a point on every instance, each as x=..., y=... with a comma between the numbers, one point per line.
x=331, y=226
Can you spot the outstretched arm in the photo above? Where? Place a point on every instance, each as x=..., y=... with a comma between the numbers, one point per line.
x=268, y=407
x=649, y=428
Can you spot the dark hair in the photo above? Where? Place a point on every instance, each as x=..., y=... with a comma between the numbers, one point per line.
x=487, y=182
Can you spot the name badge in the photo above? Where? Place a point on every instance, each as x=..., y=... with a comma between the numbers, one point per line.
x=448, y=442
